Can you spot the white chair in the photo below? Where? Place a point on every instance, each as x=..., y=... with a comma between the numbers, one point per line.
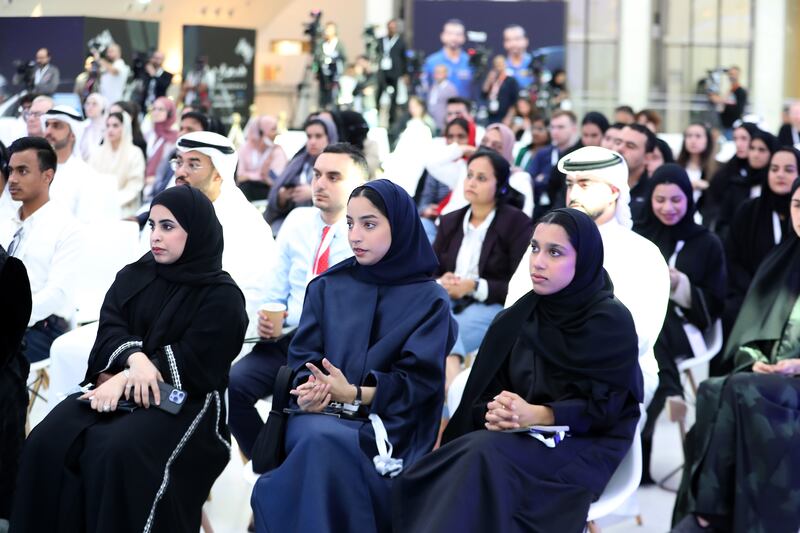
x=713, y=342
x=622, y=484
x=115, y=245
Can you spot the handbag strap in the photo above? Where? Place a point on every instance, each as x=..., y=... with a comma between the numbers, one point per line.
x=280, y=394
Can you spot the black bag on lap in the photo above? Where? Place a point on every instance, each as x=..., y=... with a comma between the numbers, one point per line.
x=268, y=450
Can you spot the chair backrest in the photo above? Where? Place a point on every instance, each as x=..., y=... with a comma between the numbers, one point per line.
x=115, y=244
x=622, y=484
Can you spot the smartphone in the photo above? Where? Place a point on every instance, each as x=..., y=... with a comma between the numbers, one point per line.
x=172, y=400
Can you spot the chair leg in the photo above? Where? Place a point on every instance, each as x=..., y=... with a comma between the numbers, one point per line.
x=42, y=380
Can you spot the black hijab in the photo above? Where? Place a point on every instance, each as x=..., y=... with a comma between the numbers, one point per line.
x=410, y=258
x=586, y=336
x=578, y=328
x=770, y=298
x=758, y=176
x=201, y=261
x=155, y=302
x=650, y=227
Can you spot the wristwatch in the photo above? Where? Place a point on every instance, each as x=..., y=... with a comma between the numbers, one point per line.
x=357, y=401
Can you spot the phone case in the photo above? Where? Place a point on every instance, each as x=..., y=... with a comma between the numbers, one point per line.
x=172, y=400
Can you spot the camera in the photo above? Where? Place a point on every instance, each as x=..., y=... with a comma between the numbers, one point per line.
x=312, y=28
x=479, y=59
x=713, y=80
x=24, y=72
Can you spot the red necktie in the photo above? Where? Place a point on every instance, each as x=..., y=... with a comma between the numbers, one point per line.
x=321, y=262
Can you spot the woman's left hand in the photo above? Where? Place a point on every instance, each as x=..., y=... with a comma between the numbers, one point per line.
x=787, y=367
x=340, y=389
x=509, y=411
x=105, y=397
x=674, y=278
x=459, y=288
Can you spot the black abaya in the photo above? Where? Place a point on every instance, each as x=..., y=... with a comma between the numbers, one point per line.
x=147, y=470
x=14, y=315
x=574, y=352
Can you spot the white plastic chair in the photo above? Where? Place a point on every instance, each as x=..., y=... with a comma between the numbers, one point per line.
x=622, y=484
x=713, y=341
x=116, y=245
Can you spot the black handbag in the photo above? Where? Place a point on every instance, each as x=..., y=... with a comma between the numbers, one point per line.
x=268, y=450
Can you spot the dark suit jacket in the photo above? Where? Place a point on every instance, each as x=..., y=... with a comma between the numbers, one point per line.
x=785, y=135
x=503, y=248
x=398, y=54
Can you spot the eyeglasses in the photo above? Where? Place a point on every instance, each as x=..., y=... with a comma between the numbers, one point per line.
x=192, y=166
x=35, y=114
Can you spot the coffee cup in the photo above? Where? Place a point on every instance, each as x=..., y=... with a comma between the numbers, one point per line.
x=274, y=313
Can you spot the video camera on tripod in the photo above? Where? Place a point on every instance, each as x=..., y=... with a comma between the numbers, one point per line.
x=24, y=73
x=711, y=84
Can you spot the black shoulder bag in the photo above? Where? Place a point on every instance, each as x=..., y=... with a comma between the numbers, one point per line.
x=268, y=450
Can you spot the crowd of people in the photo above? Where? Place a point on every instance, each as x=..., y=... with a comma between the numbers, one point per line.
x=492, y=313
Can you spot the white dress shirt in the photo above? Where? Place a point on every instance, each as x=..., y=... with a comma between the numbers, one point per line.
x=297, y=244
x=82, y=192
x=249, y=254
x=469, y=254
x=641, y=282
x=51, y=247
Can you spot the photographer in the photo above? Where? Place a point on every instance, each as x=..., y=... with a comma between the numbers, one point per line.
x=731, y=108
x=500, y=90
x=113, y=72
x=155, y=80
x=329, y=62
x=40, y=77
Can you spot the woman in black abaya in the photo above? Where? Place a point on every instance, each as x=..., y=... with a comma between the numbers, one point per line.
x=697, y=283
x=174, y=313
x=744, y=449
x=565, y=354
x=759, y=226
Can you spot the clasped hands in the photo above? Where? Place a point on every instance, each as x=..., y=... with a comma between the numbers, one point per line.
x=320, y=390
x=143, y=377
x=786, y=367
x=456, y=286
x=509, y=411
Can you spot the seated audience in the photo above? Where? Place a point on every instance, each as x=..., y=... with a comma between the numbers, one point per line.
x=520, y=119
x=565, y=139
x=442, y=90
x=94, y=126
x=624, y=115
x=478, y=248
x=76, y=186
x=741, y=178
x=120, y=161
x=94, y=468
x=46, y=238
x=660, y=156
x=160, y=139
x=649, y=118
x=789, y=134
x=447, y=164
x=261, y=161
x=593, y=128
x=539, y=139
x=382, y=357
x=697, y=156
x=760, y=225
x=612, y=139
x=565, y=355
x=500, y=138
x=637, y=144
x=133, y=110
x=292, y=188
x=33, y=116
x=743, y=447
x=313, y=239
x=697, y=285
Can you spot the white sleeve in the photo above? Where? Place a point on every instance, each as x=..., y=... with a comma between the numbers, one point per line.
x=134, y=180
x=56, y=296
x=442, y=163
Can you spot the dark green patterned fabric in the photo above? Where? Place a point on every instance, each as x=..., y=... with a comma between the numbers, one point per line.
x=743, y=453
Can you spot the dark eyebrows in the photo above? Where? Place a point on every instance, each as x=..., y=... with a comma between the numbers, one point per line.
x=163, y=220
x=369, y=216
